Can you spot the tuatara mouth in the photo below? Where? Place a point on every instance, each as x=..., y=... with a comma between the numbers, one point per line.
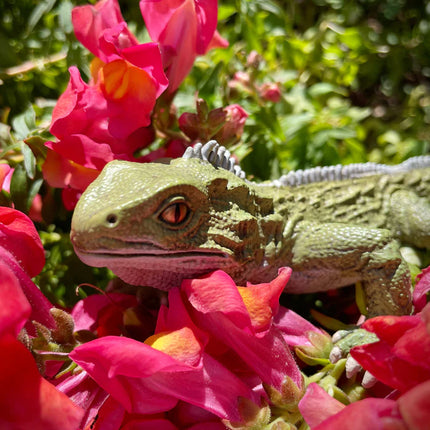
x=157, y=268
x=144, y=253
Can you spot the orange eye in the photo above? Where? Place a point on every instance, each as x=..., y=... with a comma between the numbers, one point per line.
x=175, y=213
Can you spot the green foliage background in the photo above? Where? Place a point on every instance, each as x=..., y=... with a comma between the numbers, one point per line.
x=354, y=77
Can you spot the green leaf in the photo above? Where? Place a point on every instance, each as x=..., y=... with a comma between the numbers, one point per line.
x=23, y=189
x=64, y=16
x=37, y=145
x=225, y=11
x=323, y=88
x=24, y=123
x=212, y=82
x=41, y=9
x=29, y=160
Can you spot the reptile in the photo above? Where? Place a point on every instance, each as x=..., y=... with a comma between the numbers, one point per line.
x=155, y=224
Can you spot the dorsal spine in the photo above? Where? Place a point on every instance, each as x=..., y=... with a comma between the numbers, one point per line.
x=340, y=172
x=220, y=157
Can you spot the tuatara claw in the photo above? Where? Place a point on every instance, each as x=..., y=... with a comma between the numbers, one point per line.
x=340, y=334
x=352, y=367
x=344, y=341
x=335, y=355
x=368, y=380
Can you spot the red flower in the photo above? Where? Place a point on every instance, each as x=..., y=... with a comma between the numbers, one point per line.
x=232, y=130
x=184, y=29
x=19, y=237
x=411, y=411
x=240, y=321
x=400, y=358
x=109, y=118
x=421, y=289
x=213, y=335
x=270, y=92
x=27, y=400
x=22, y=251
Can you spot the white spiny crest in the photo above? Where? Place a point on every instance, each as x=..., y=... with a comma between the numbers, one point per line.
x=217, y=155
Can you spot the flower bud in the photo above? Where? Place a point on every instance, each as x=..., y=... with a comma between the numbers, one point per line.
x=270, y=92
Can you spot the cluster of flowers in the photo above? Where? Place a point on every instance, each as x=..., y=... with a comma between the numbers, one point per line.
x=211, y=354
x=112, y=116
x=218, y=355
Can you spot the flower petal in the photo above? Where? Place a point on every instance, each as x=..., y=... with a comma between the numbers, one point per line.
x=90, y=22
x=415, y=407
x=145, y=380
x=31, y=402
x=421, y=289
x=317, y=405
x=15, y=308
x=19, y=237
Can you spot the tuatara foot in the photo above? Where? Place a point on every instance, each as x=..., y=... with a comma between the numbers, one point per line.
x=344, y=341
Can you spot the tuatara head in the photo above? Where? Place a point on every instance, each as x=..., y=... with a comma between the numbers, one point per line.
x=156, y=224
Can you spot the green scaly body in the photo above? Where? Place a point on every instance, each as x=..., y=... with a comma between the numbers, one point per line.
x=155, y=224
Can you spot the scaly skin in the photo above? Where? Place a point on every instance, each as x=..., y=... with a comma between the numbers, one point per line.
x=155, y=224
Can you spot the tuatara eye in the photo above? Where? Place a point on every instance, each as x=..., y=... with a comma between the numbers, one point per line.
x=175, y=213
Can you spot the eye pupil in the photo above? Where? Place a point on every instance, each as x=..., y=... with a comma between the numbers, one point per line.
x=178, y=213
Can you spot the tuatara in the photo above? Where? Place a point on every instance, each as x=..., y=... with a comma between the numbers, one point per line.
x=155, y=224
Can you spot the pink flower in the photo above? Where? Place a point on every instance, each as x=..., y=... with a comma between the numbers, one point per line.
x=400, y=358
x=212, y=335
x=27, y=400
x=409, y=411
x=240, y=320
x=311, y=344
x=232, y=130
x=421, y=289
x=223, y=124
x=94, y=23
x=22, y=251
x=176, y=356
x=317, y=405
x=270, y=92
x=4, y=172
x=108, y=118
x=184, y=29
x=148, y=378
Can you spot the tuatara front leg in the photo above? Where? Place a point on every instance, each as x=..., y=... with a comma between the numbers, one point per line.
x=332, y=255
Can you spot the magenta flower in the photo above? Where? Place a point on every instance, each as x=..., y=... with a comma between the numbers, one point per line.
x=239, y=320
x=27, y=400
x=108, y=118
x=232, y=130
x=152, y=377
x=421, y=289
x=22, y=252
x=212, y=335
x=400, y=358
x=148, y=378
x=184, y=29
x=411, y=411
